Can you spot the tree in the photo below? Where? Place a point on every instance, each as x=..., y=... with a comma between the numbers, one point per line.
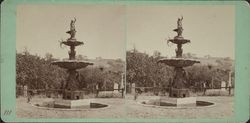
x=38, y=72
x=49, y=57
x=143, y=70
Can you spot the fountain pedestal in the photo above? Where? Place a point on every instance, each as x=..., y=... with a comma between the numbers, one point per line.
x=62, y=103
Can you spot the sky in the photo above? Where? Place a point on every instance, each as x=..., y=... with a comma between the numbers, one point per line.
x=100, y=27
x=109, y=30
x=210, y=28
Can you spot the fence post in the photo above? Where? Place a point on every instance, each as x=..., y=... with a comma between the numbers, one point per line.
x=25, y=91
x=122, y=92
x=97, y=90
x=133, y=89
x=229, y=91
x=204, y=88
x=116, y=87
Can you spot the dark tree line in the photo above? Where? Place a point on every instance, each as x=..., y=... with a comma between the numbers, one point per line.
x=38, y=73
x=144, y=71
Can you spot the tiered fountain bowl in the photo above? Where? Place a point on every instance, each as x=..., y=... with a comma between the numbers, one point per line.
x=178, y=62
x=72, y=64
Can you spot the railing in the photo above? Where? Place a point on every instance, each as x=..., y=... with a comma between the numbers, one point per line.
x=193, y=89
x=58, y=92
x=119, y=90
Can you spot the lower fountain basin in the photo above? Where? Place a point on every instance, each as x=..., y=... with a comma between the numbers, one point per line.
x=70, y=104
x=72, y=64
x=173, y=104
x=178, y=62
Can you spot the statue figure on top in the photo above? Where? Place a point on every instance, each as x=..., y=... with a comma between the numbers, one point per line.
x=72, y=25
x=179, y=27
x=179, y=23
x=72, y=31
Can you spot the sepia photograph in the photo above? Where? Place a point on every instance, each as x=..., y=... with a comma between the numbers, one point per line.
x=180, y=61
x=70, y=61
x=124, y=61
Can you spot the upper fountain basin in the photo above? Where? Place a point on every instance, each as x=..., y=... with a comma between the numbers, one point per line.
x=178, y=62
x=72, y=64
x=179, y=40
x=72, y=42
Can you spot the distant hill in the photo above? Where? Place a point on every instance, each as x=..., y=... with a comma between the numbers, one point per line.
x=219, y=62
x=214, y=60
x=115, y=65
x=210, y=60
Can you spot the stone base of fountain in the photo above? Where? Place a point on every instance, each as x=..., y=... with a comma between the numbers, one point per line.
x=61, y=103
x=179, y=102
x=73, y=95
x=180, y=93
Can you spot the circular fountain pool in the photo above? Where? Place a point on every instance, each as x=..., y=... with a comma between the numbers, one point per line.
x=158, y=103
x=52, y=104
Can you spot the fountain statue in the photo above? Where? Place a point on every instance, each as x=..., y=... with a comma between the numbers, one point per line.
x=179, y=27
x=179, y=87
x=72, y=30
x=71, y=90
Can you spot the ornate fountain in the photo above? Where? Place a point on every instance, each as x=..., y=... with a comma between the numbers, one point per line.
x=71, y=90
x=179, y=93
